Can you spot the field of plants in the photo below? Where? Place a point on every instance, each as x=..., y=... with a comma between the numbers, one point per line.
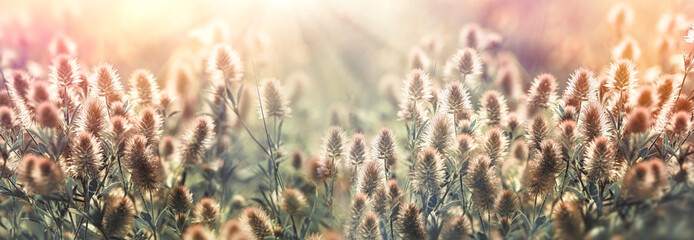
x=328, y=120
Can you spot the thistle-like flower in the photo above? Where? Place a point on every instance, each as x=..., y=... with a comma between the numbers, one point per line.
x=679, y=125
x=582, y=87
x=384, y=147
x=456, y=101
x=64, y=71
x=145, y=89
x=471, y=36
x=334, y=144
x=628, y=48
x=482, y=180
x=428, y=172
x=368, y=230
x=62, y=45
x=417, y=86
x=638, y=121
x=593, y=122
x=359, y=203
x=371, y=178
x=542, y=170
x=440, y=134
x=541, y=95
x=646, y=180
x=85, y=158
x=180, y=199
x=230, y=231
x=8, y=120
x=568, y=223
x=105, y=82
x=39, y=175
x=493, y=108
x=275, y=103
x=144, y=166
x=410, y=224
x=456, y=228
x=495, y=146
x=537, y=131
x=418, y=59
x=149, y=125
x=197, y=140
x=292, y=201
x=465, y=62
x=224, y=64
x=509, y=80
x=622, y=77
x=507, y=204
x=118, y=217
x=207, y=212
x=601, y=164
x=411, y=112
x=358, y=150
x=48, y=115
x=93, y=118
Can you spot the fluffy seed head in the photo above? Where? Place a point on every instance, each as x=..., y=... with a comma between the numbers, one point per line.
x=275, y=102
x=410, y=224
x=568, y=223
x=412, y=112
x=428, y=172
x=292, y=201
x=64, y=71
x=93, y=117
x=384, y=147
x=507, y=204
x=601, y=164
x=628, y=48
x=144, y=88
x=495, y=145
x=456, y=101
x=680, y=123
x=105, y=82
x=440, y=134
x=538, y=130
x=145, y=167
x=646, y=180
x=85, y=158
x=180, y=199
x=456, y=228
x=471, y=36
x=417, y=86
x=520, y=150
x=593, y=122
x=494, y=108
x=224, y=64
x=355, y=214
x=465, y=62
x=638, y=121
x=48, y=115
x=207, y=212
x=622, y=76
x=371, y=178
x=149, y=126
x=358, y=150
x=542, y=170
x=541, y=95
x=334, y=143
x=39, y=175
x=369, y=227
x=620, y=15
x=583, y=86
x=62, y=45
x=8, y=120
x=197, y=140
x=482, y=181
x=118, y=217
x=690, y=35
x=197, y=232
x=418, y=59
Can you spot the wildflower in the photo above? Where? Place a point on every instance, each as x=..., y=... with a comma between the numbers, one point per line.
x=456, y=228
x=493, y=108
x=638, y=121
x=197, y=232
x=384, y=147
x=601, y=164
x=440, y=134
x=620, y=15
x=538, y=130
x=145, y=172
x=541, y=94
x=482, y=181
x=646, y=180
x=457, y=101
x=180, y=199
x=64, y=71
x=369, y=227
x=85, y=158
x=334, y=144
x=582, y=87
x=197, y=140
x=48, y=115
x=207, y=212
x=225, y=64
x=417, y=86
x=593, y=122
x=62, y=45
x=411, y=112
x=465, y=62
x=495, y=145
x=627, y=49
x=542, y=170
x=568, y=223
x=371, y=178
x=428, y=172
x=410, y=223
x=93, y=118
x=39, y=175
x=274, y=101
x=355, y=213
x=471, y=36
x=418, y=59
x=622, y=76
x=149, y=125
x=231, y=230
x=507, y=204
x=292, y=201
x=105, y=81
x=118, y=217
x=357, y=151
x=145, y=89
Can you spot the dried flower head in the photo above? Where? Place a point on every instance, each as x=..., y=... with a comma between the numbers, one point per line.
x=628, y=48
x=507, y=204
x=428, y=172
x=493, y=108
x=149, y=125
x=85, y=158
x=197, y=140
x=537, y=131
x=197, y=232
x=144, y=166
x=622, y=76
x=64, y=71
x=638, y=121
x=509, y=80
x=417, y=86
x=93, y=118
x=620, y=15
x=568, y=223
x=471, y=36
x=582, y=87
x=601, y=164
x=225, y=64
x=384, y=147
x=412, y=112
x=180, y=199
x=275, y=103
x=456, y=101
x=680, y=124
x=358, y=150
x=231, y=230
x=410, y=224
x=292, y=201
x=541, y=95
x=371, y=178
x=62, y=45
x=593, y=122
x=483, y=183
x=440, y=134
x=456, y=228
x=118, y=217
x=646, y=180
x=369, y=227
x=144, y=88
x=542, y=170
x=39, y=175
x=207, y=212
x=8, y=119
x=495, y=146
x=105, y=82
x=465, y=62
x=359, y=203
x=520, y=150
x=418, y=59
x=48, y=115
